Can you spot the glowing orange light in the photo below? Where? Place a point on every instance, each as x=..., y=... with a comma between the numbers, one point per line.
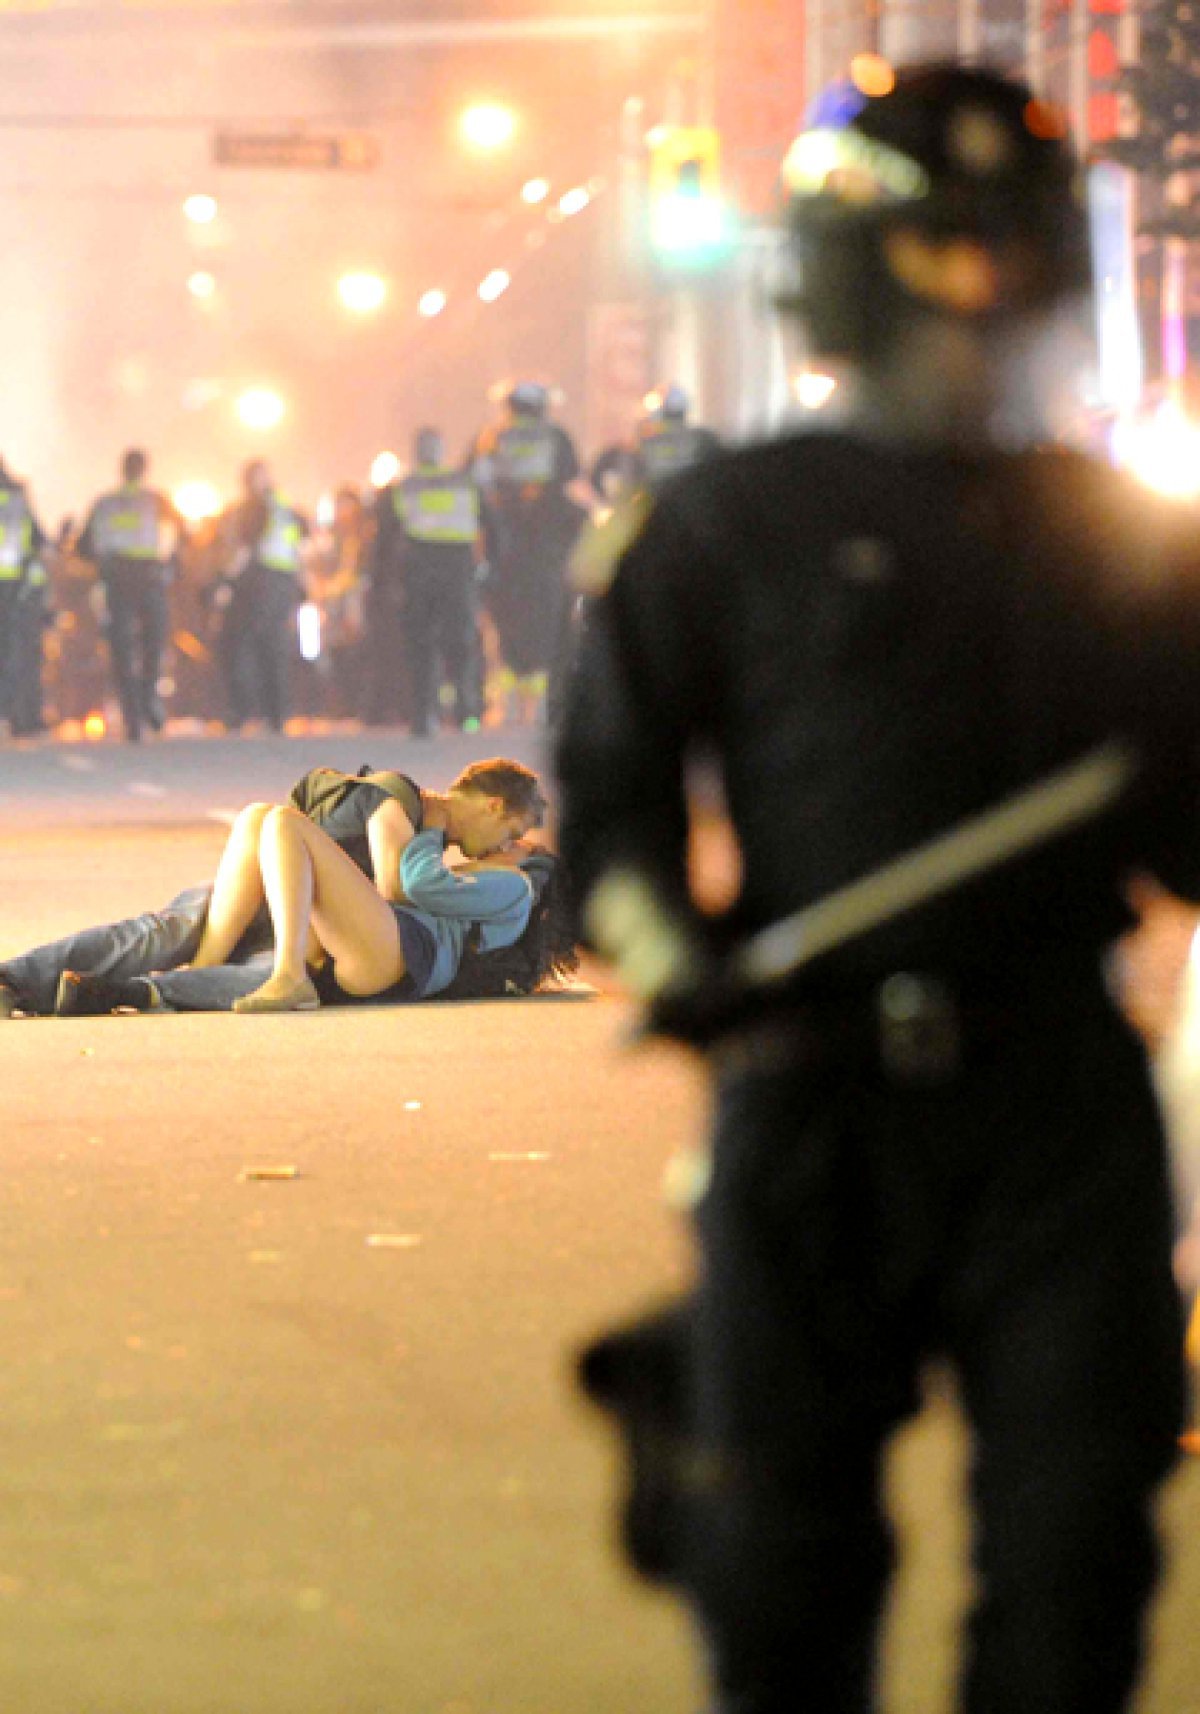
x=362, y=293
x=385, y=467
x=535, y=191
x=488, y=125
x=1044, y=120
x=200, y=210
x=197, y=500
x=261, y=408
x=872, y=74
x=95, y=726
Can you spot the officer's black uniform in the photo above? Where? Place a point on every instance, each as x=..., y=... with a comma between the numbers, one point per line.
x=21, y=540
x=665, y=445
x=525, y=466
x=34, y=615
x=428, y=529
x=257, y=643
x=130, y=536
x=876, y=643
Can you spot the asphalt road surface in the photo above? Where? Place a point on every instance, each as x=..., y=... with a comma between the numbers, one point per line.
x=308, y=1445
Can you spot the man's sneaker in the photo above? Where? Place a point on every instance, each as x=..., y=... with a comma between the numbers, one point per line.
x=10, y=1002
x=84, y=996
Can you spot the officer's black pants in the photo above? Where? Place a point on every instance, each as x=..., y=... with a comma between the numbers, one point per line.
x=1018, y=1222
x=26, y=711
x=258, y=641
x=10, y=641
x=138, y=625
x=440, y=630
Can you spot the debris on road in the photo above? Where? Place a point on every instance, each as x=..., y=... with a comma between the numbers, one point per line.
x=269, y=1172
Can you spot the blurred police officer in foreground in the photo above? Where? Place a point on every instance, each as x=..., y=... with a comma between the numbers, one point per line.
x=261, y=591
x=939, y=1137
x=428, y=525
x=131, y=535
x=21, y=540
x=525, y=464
x=665, y=443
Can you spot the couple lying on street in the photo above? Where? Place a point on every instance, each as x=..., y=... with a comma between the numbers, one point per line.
x=341, y=895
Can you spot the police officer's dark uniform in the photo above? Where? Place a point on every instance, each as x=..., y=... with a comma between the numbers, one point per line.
x=941, y=1139
x=21, y=540
x=524, y=466
x=34, y=617
x=428, y=529
x=263, y=536
x=130, y=536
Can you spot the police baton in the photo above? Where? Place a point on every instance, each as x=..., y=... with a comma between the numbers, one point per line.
x=1041, y=812
x=777, y=955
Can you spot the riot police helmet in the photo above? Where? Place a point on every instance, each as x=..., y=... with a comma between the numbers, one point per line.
x=886, y=191
x=669, y=403
x=529, y=399
x=429, y=447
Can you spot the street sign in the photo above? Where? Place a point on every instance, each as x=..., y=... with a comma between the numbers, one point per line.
x=354, y=151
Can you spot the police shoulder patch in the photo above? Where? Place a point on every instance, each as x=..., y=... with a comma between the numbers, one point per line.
x=606, y=541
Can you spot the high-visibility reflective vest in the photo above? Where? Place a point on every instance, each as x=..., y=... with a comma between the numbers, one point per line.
x=437, y=505
x=279, y=544
x=16, y=533
x=666, y=449
x=127, y=524
x=523, y=454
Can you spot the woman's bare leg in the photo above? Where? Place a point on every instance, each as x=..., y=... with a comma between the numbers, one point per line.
x=312, y=887
x=237, y=890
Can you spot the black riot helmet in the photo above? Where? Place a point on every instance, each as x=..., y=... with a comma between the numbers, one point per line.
x=429, y=447
x=947, y=153
x=529, y=399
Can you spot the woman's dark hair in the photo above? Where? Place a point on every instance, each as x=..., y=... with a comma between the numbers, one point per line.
x=546, y=953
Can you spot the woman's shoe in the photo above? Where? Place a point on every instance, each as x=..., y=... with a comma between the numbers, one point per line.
x=280, y=996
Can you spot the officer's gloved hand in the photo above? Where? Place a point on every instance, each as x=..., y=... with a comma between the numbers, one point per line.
x=669, y=959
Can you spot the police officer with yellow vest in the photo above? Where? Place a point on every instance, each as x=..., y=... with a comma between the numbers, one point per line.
x=21, y=539
x=131, y=535
x=665, y=444
x=428, y=538
x=260, y=591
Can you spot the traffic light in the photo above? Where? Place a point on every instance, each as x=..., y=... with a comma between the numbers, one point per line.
x=689, y=223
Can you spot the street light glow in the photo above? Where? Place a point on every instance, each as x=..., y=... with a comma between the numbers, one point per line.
x=535, y=191
x=197, y=500
x=495, y=285
x=201, y=284
x=200, y=210
x=574, y=201
x=488, y=125
x=362, y=293
x=260, y=408
x=1162, y=451
x=385, y=467
x=432, y=303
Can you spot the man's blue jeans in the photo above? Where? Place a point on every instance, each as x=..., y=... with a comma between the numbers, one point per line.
x=155, y=943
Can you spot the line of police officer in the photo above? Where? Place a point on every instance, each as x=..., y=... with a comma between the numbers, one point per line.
x=506, y=519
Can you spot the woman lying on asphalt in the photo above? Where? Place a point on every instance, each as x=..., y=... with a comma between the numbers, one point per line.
x=506, y=933
x=497, y=925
